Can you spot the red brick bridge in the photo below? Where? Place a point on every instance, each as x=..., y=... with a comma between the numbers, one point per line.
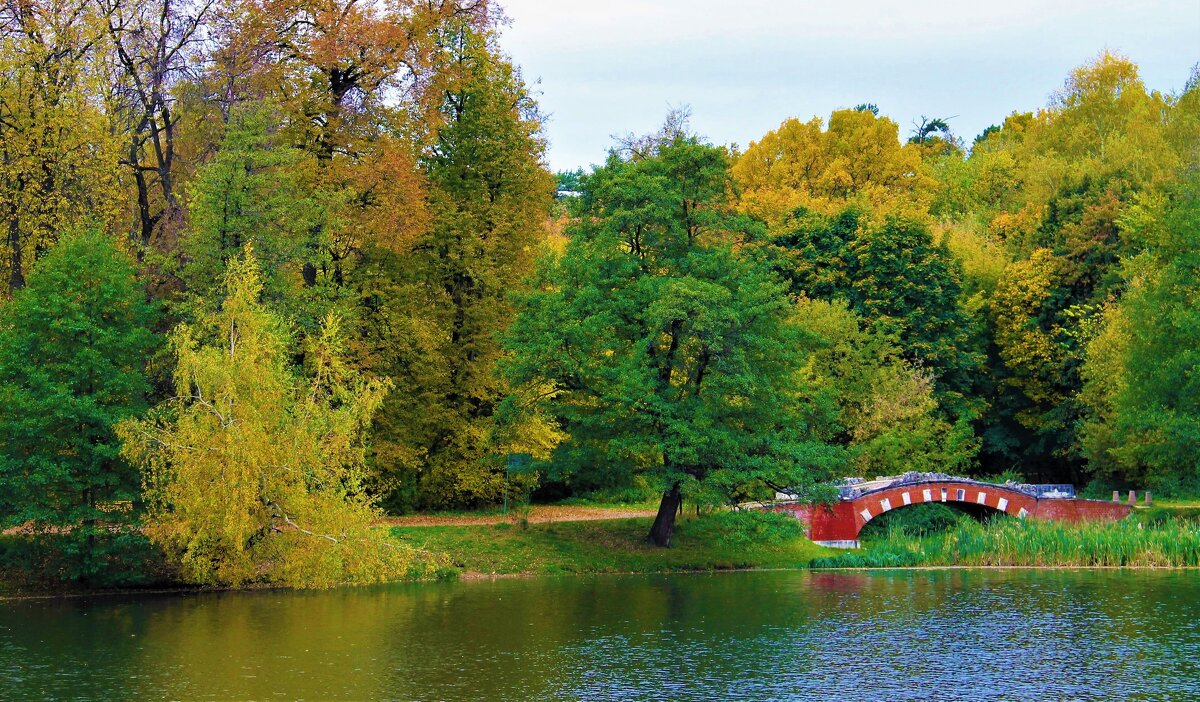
x=838, y=524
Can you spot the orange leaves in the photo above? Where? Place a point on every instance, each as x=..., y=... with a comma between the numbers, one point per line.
x=388, y=197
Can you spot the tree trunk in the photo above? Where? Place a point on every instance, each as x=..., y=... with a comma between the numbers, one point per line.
x=664, y=522
x=16, y=277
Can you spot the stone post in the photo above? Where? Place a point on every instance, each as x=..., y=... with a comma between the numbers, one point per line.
x=1116, y=495
x=1132, y=497
x=1148, y=501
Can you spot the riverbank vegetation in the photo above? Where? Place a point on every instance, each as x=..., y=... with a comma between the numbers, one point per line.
x=277, y=269
x=717, y=541
x=1148, y=539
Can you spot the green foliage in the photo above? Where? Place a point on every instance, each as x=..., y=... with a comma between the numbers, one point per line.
x=73, y=343
x=432, y=322
x=744, y=528
x=874, y=400
x=918, y=521
x=253, y=474
x=1143, y=368
x=663, y=350
x=252, y=192
x=893, y=275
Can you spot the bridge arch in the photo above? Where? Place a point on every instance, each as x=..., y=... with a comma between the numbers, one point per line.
x=994, y=498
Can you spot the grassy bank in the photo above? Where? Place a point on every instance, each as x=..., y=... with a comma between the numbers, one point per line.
x=1152, y=539
x=711, y=542
x=1161, y=536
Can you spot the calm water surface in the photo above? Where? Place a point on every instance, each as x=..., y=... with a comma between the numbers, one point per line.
x=880, y=635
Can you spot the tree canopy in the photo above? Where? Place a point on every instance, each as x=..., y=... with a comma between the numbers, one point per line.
x=660, y=349
x=73, y=347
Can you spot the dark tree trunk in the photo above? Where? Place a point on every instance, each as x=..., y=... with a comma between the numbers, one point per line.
x=664, y=523
x=16, y=277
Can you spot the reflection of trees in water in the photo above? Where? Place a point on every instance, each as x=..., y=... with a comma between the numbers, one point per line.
x=769, y=634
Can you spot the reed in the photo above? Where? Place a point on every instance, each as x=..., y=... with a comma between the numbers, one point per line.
x=1011, y=542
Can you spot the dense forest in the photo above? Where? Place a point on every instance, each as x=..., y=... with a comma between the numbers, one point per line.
x=272, y=267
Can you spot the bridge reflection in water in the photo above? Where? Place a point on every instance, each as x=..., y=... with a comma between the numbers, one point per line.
x=838, y=524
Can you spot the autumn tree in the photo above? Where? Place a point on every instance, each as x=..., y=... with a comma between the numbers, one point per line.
x=663, y=351
x=56, y=152
x=255, y=473
x=152, y=48
x=858, y=159
x=1049, y=189
x=73, y=346
x=358, y=84
x=488, y=197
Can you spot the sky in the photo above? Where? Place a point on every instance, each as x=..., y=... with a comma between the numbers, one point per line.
x=744, y=66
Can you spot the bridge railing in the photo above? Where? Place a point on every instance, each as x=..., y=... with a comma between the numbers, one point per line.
x=852, y=488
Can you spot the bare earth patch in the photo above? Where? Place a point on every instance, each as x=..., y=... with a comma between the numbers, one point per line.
x=538, y=514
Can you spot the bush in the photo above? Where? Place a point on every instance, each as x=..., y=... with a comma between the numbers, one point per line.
x=108, y=559
x=914, y=521
x=744, y=527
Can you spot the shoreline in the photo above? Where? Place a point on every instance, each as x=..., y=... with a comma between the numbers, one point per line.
x=476, y=576
x=714, y=543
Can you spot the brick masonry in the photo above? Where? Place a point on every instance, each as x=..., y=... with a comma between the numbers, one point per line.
x=838, y=524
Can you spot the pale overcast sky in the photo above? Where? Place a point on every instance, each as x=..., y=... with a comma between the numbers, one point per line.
x=743, y=66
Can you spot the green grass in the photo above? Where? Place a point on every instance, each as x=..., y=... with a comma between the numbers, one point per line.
x=711, y=542
x=1146, y=540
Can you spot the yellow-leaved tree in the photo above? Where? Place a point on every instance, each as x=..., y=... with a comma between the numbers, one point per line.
x=56, y=149
x=252, y=473
x=858, y=159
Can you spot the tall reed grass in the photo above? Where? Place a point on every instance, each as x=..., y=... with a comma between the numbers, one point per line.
x=1012, y=542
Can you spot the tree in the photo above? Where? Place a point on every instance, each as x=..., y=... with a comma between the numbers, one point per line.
x=885, y=410
x=73, y=344
x=857, y=160
x=489, y=197
x=56, y=153
x=251, y=192
x=660, y=348
x=155, y=45
x=891, y=274
x=251, y=472
x=1142, y=375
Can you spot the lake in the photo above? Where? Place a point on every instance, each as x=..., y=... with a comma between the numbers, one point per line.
x=878, y=635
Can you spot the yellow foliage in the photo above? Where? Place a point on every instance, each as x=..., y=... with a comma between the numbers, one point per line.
x=858, y=159
x=57, y=152
x=252, y=474
x=982, y=256
x=1027, y=348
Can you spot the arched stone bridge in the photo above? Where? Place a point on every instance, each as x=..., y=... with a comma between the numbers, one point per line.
x=838, y=524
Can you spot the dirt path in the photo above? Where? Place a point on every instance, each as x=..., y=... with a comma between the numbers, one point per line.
x=538, y=514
